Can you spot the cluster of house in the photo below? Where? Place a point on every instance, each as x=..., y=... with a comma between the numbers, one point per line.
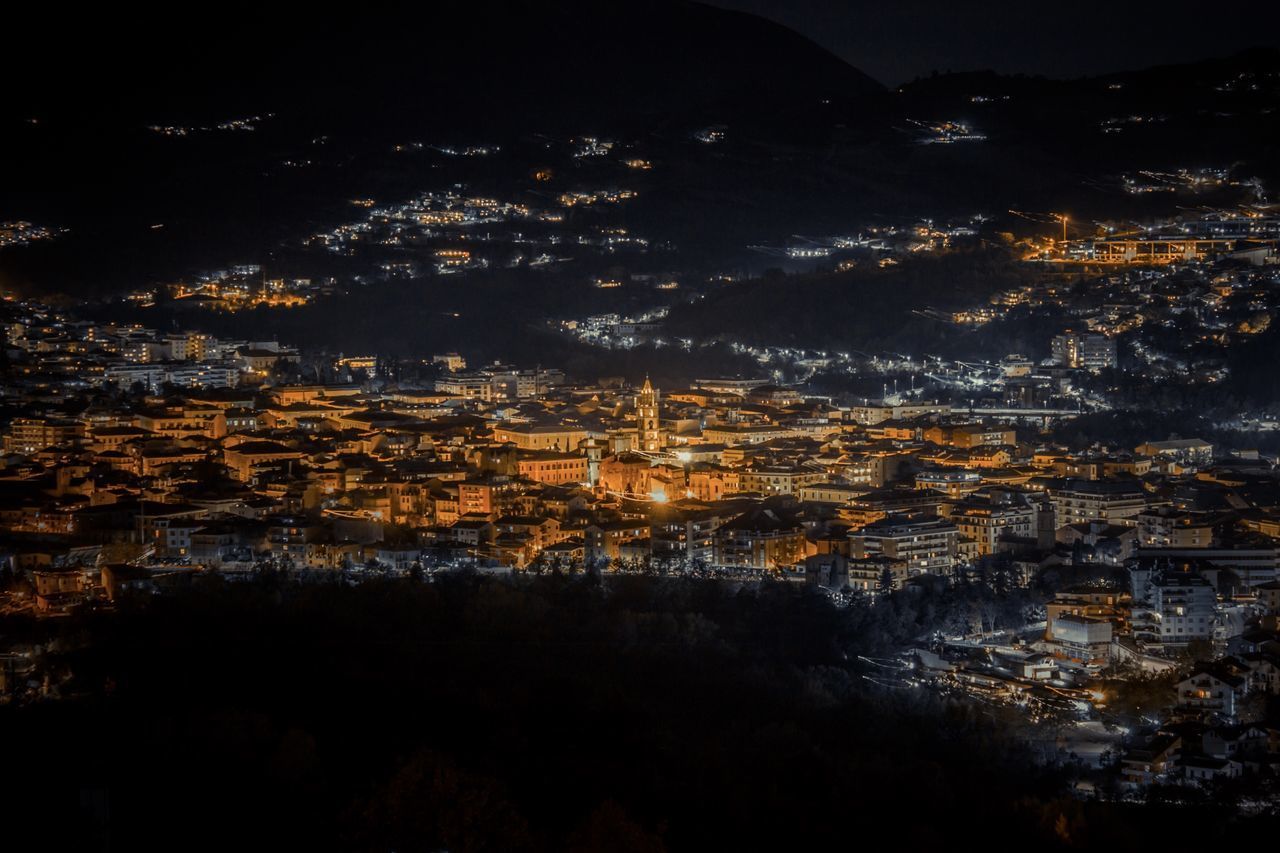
x=1201, y=651
x=519, y=468
x=51, y=354
x=1215, y=723
x=1205, y=734
x=728, y=474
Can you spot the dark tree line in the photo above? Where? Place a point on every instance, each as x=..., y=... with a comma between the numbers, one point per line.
x=541, y=713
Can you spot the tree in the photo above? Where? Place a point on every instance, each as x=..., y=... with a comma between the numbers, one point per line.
x=610, y=828
x=1198, y=649
x=885, y=583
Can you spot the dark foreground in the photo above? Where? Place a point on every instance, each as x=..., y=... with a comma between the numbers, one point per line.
x=540, y=714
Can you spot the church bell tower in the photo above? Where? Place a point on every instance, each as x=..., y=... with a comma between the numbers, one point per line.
x=647, y=415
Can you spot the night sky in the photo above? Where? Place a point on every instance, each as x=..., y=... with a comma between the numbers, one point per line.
x=898, y=40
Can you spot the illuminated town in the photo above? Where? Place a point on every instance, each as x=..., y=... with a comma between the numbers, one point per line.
x=631, y=481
